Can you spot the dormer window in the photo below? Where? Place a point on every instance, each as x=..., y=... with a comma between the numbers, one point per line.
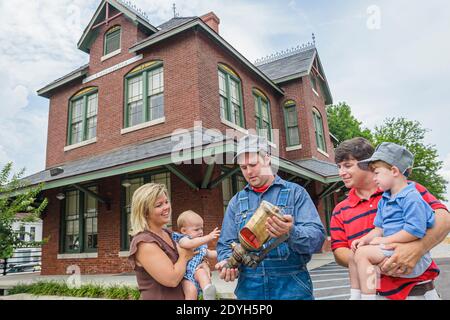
x=112, y=42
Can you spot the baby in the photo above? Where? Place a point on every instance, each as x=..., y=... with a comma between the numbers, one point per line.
x=197, y=278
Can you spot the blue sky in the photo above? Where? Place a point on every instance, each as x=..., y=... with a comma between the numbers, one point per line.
x=384, y=58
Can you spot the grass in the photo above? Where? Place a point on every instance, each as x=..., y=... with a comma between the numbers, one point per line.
x=53, y=288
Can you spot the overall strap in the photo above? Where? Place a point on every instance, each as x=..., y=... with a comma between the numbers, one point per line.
x=244, y=206
x=283, y=197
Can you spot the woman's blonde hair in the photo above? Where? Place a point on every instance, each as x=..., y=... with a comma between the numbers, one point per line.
x=143, y=202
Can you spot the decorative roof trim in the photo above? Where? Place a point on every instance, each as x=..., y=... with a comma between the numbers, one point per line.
x=284, y=54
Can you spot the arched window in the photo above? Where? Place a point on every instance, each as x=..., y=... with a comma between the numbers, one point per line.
x=291, y=123
x=112, y=40
x=230, y=92
x=83, y=108
x=144, y=94
x=318, y=126
x=262, y=114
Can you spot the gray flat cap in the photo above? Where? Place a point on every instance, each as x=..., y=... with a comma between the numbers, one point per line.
x=252, y=144
x=392, y=154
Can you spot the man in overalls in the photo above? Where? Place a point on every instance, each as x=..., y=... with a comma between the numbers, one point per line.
x=283, y=274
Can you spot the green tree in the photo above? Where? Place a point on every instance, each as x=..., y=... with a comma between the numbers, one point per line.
x=16, y=197
x=411, y=134
x=343, y=125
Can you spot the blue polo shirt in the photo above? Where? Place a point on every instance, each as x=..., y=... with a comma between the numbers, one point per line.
x=405, y=211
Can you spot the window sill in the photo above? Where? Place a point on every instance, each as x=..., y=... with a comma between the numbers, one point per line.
x=293, y=148
x=143, y=125
x=315, y=92
x=234, y=126
x=323, y=152
x=124, y=254
x=110, y=55
x=79, y=145
x=92, y=255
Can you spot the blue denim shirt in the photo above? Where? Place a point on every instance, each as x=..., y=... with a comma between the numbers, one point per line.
x=405, y=211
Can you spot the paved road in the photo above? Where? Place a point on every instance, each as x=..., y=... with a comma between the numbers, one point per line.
x=331, y=281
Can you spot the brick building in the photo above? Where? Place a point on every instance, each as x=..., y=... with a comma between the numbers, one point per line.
x=114, y=124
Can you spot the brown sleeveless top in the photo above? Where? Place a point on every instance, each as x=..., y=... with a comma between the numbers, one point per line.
x=151, y=289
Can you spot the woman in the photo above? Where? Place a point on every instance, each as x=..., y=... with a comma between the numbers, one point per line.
x=159, y=263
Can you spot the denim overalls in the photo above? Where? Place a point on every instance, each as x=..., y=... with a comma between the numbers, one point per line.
x=283, y=274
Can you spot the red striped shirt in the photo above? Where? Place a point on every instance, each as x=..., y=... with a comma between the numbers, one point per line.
x=353, y=218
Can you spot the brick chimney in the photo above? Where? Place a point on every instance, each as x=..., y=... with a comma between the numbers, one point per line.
x=212, y=21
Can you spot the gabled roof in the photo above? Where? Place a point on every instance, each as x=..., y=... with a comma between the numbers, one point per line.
x=133, y=13
x=293, y=65
x=74, y=75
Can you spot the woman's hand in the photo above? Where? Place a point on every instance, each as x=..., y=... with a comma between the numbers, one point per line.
x=186, y=254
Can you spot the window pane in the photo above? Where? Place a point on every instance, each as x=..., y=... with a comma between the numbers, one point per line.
x=291, y=116
x=32, y=233
x=77, y=132
x=71, y=237
x=135, y=184
x=135, y=89
x=222, y=83
x=156, y=107
x=223, y=106
x=163, y=178
x=136, y=113
x=265, y=110
x=155, y=82
x=294, y=138
x=77, y=110
x=90, y=220
x=112, y=42
x=91, y=128
x=92, y=105
x=234, y=88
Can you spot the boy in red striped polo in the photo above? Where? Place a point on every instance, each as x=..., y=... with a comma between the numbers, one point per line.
x=354, y=217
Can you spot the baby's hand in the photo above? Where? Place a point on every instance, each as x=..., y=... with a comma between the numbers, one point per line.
x=378, y=240
x=214, y=234
x=358, y=243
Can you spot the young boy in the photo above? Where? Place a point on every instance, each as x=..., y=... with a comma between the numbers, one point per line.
x=190, y=224
x=403, y=216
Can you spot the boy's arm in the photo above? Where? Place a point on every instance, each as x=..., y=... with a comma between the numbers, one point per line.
x=400, y=237
x=376, y=232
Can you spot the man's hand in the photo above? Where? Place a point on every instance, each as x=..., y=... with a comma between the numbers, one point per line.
x=228, y=275
x=277, y=227
x=214, y=234
x=404, y=259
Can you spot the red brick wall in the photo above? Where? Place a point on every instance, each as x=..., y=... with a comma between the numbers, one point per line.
x=311, y=101
x=179, y=55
